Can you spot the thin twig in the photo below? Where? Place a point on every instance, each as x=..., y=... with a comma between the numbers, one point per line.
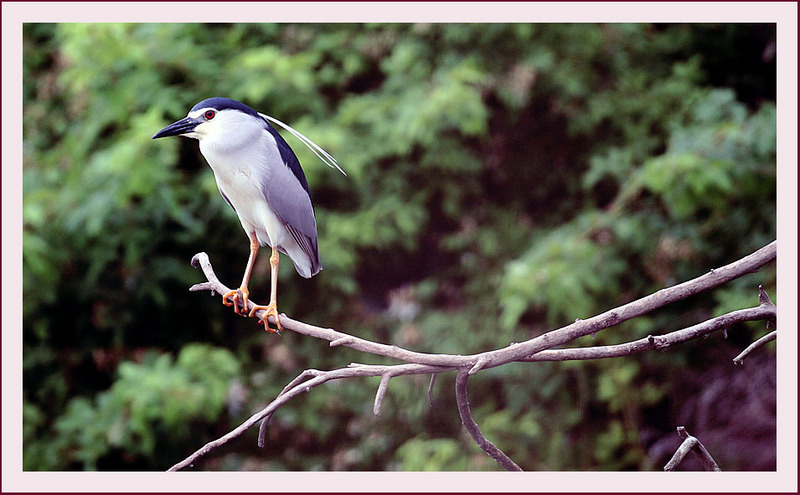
x=691, y=444
x=262, y=431
x=430, y=388
x=739, y=360
x=381, y=393
x=462, y=401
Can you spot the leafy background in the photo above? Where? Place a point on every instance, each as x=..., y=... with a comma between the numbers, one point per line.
x=503, y=180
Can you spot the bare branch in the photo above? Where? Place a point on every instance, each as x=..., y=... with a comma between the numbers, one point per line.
x=303, y=384
x=536, y=349
x=691, y=444
x=305, y=375
x=713, y=278
x=739, y=360
x=660, y=342
x=518, y=351
x=462, y=401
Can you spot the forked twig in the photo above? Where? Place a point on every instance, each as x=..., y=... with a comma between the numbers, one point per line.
x=766, y=302
x=304, y=382
x=691, y=444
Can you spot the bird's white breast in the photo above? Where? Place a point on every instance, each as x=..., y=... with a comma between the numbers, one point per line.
x=242, y=167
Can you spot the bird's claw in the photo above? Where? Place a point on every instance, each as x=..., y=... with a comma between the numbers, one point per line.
x=238, y=299
x=240, y=294
x=269, y=310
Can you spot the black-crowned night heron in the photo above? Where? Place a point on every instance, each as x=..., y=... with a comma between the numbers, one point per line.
x=259, y=175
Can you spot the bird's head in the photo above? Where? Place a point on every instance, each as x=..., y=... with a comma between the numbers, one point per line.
x=224, y=124
x=216, y=119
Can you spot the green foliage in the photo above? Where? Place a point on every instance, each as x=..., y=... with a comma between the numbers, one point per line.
x=148, y=402
x=565, y=271
x=503, y=180
x=436, y=454
x=711, y=159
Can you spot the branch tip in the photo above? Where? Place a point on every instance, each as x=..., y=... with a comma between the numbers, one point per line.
x=430, y=389
x=262, y=431
x=197, y=259
x=739, y=360
x=763, y=297
x=376, y=408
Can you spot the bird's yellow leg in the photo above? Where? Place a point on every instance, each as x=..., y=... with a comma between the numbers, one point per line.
x=243, y=293
x=272, y=307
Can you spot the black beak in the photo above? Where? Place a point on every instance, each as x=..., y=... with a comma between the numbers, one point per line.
x=183, y=126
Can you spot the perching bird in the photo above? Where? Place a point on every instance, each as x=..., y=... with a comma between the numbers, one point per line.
x=259, y=175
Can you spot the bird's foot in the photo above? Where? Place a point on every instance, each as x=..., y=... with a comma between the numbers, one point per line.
x=235, y=296
x=269, y=309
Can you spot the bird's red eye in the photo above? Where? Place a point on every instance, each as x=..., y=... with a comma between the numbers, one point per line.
x=210, y=114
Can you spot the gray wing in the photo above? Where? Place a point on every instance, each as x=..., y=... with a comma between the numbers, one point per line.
x=286, y=191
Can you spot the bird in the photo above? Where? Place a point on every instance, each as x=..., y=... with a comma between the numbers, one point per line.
x=260, y=177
